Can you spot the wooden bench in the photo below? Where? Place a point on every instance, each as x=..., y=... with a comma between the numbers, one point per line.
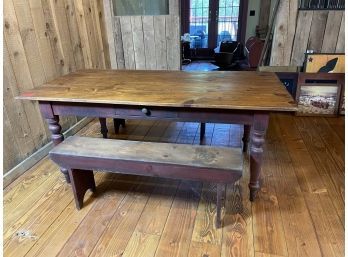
x=82, y=155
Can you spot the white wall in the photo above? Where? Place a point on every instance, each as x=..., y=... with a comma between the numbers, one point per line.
x=252, y=21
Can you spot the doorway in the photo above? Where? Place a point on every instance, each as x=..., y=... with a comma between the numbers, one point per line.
x=209, y=22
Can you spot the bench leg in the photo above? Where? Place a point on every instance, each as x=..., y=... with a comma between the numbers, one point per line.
x=202, y=132
x=246, y=137
x=81, y=181
x=118, y=123
x=103, y=127
x=219, y=198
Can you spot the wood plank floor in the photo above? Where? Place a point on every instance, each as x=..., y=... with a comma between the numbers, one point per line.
x=299, y=210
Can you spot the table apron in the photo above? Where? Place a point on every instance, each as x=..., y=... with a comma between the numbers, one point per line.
x=154, y=113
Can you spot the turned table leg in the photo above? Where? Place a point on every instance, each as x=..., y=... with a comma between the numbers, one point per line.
x=246, y=137
x=103, y=127
x=256, y=151
x=57, y=137
x=118, y=123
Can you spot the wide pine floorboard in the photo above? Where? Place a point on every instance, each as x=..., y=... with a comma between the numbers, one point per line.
x=299, y=210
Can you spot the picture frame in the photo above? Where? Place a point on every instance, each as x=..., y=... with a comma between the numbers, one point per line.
x=289, y=80
x=331, y=78
x=324, y=63
x=318, y=99
x=341, y=109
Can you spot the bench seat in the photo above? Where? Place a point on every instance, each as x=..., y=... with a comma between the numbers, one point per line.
x=82, y=155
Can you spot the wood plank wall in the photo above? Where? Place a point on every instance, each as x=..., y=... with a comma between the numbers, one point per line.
x=298, y=31
x=44, y=39
x=144, y=42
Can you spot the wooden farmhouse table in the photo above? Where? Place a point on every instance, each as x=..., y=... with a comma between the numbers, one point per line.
x=219, y=97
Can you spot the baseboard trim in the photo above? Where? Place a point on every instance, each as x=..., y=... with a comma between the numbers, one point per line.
x=30, y=161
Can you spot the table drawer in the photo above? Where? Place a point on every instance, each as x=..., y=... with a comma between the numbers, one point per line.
x=143, y=112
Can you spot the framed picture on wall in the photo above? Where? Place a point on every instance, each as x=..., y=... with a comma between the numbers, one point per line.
x=318, y=99
x=325, y=63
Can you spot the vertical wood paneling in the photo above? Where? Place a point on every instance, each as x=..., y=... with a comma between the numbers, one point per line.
x=30, y=44
x=138, y=41
x=82, y=27
x=160, y=41
x=96, y=14
x=100, y=16
x=144, y=42
x=284, y=30
x=64, y=39
x=298, y=31
x=10, y=147
x=109, y=32
x=127, y=40
x=301, y=37
x=16, y=115
x=331, y=32
x=173, y=42
x=340, y=40
x=280, y=30
x=21, y=70
x=43, y=39
x=74, y=34
x=118, y=44
x=317, y=31
x=87, y=9
x=62, y=65
x=149, y=42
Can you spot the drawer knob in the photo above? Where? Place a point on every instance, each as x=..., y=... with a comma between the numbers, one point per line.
x=145, y=111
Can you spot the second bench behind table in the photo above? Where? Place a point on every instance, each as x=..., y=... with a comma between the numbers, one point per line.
x=82, y=155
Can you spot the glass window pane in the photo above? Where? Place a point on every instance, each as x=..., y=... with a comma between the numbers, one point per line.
x=228, y=20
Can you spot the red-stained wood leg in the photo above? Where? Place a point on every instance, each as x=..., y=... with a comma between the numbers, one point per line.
x=55, y=129
x=258, y=133
x=118, y=123
x=57, y=137
x=103, y=127
x=246, y=137
x=81, y=181
x=202, y=131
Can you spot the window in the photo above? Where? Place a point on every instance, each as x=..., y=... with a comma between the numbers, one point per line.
x=140, y=7
x=322, y=4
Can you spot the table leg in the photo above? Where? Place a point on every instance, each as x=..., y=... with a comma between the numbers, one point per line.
x=258, y=133
x=57, y=137
x=103, y=127
x=118, y=123
x=202, y=131
x=246, y=137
